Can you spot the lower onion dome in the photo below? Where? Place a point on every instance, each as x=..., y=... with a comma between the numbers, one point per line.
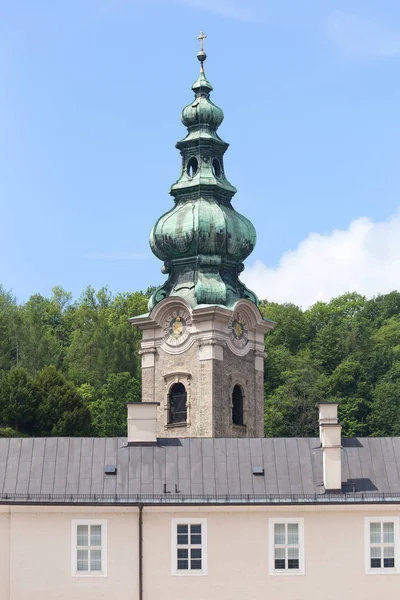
x=203, y=227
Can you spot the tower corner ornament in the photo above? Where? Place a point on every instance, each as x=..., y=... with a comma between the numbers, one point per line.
x=202, y=239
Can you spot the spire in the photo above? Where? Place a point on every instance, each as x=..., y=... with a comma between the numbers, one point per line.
x=202, y=239
x=201, y=54
x=202, y=84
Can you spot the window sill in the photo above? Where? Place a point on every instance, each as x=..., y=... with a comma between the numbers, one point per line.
x=287, y=572
x=89, y=574
x=383, y=572
x=189, y=573
x=173, y=425
x=235, y=425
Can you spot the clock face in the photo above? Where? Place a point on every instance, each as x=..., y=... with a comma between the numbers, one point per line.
x=176, y=327
x=238, y=330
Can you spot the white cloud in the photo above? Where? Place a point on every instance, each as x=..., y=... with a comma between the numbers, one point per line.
x=364, y=258
x=363, y=37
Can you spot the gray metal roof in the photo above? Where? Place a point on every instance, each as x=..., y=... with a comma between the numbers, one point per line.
x=203, y=470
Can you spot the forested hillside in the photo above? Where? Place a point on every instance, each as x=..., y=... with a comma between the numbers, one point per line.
x=68, y=367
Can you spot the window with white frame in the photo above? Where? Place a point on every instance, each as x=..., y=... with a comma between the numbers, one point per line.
x=381, y=549
x=189, y=546
x=89, y=548
x=286, y=547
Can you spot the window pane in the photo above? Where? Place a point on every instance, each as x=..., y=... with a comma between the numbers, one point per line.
x=279, y=563
x=95, y=535
x=195, y=558
x=195, y=529
x=375, y=563
x=195, y=538
x=293, y=553
x=279, y=533
x=279, y=552
x=182, y=534
x=183, y=562
x=388, y=533
x=293, y=533
x=375, y=533
x=293, y=563
x=388, y=563
x=95, y=560
x=82, y=535
x=388, y=557
x=195, y=534
x=82, y=563
x=375, y=558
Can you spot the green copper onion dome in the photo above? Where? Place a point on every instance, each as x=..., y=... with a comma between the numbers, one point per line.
x=202, y=240
x=202, y=111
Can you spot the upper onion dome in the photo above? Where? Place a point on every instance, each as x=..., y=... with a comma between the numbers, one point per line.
x=202, y=111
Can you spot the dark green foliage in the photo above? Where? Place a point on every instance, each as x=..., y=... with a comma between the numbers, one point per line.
x=346, y=350
x=109, y=410
x=18, y=404
x=69, y=368
x=9, y=432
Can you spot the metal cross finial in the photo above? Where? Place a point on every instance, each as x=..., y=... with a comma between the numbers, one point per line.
x=202, y=36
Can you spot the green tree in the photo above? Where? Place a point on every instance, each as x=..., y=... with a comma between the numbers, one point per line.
x=18, y=405
x=349, y=385
x=336, y=329
x=61, y=410
x=9, y=330
x=39, y=343
x=292, y=330
x=290, y=409
x=109, y=413
x=385, y=413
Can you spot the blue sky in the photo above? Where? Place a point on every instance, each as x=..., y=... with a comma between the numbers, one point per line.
x=90, y=100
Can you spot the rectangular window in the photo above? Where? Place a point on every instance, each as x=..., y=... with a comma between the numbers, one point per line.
x=189, y=546
x=381, y=535
x=286, y=546
x=89, y=548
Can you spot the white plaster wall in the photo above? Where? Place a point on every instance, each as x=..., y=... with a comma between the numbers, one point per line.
x=40, y=556
x=4, y=555
x=238, y=566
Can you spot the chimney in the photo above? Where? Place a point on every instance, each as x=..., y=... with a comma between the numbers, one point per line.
x=330, y=435
x=142, y=423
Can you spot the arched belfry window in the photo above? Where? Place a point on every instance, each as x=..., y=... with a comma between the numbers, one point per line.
x=237, y=405
x=177, y=404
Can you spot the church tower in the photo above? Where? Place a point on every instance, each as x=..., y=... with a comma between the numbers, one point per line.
x=203, y=338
